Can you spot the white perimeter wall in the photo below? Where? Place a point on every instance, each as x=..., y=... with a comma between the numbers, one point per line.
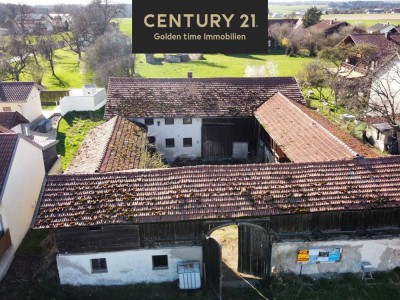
x=177, y=131
x=124, y=267
x=22, y=189
x=383, y=254
x=372, y=132
x=83, y=103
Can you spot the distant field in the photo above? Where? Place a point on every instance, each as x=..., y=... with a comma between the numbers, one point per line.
x=221, y=65
x=367, y=19
x=214, y=65
x=287, y=9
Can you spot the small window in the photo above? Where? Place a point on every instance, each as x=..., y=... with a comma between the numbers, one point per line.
x=151, y=139
x=99, y=265
x=94, y=228
x=169, y=143
x=7, y=108
x=187, y=142
x=187, y=120
x=378, y=136
x=160, y=262
x=149, y=121
x=169, y=121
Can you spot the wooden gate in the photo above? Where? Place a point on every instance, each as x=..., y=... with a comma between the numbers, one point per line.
x=212, y=262
x=253, y=250
x=216, y=141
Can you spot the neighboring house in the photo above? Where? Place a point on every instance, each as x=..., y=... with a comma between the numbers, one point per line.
x=395, y=11
x=89, y=98
x=34, y=23
x=61, y=22
x=191, y=118
x=116, y=145
x=22, y=97
x=387, y=44
x=15, y=122
x=375, y=11
x=327, y=27
x=382, y=135
x=136, y=226
x=21, y=178
x=381, y=28
x=277, y=16
x=295, y=133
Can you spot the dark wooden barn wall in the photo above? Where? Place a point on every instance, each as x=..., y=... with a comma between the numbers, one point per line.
x=218, y=134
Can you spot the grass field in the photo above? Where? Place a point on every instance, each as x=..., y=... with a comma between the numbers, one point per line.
x=72, y=130
x=367, y=19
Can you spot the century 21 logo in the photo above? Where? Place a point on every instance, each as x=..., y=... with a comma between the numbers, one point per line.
x=199, y=20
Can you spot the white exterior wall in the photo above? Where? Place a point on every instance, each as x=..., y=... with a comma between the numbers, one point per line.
x=372, y=133
x=31, y=109
x=77, y=102
x=21, y=192
x=383, y=255
x=124, y=267
x=177, y=131
x=388, y=81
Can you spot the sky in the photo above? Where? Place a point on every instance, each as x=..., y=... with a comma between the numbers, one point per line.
x=48, y=2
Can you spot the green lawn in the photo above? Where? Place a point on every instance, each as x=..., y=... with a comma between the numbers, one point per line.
x=366, y=19
x=72, y=130
x=287, y=8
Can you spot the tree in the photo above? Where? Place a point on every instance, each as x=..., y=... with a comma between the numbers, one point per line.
x=99, y=13
x=279, y=32
x=16, y=58
x=23, y=14
x=47, y=46
x=313, y=75
x=110, y=55
x=311, y=17
x=269, y=69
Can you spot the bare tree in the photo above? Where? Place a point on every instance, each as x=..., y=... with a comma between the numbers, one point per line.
x=279, y=32
x=110, y=55
x=16, y=58
x=47, y=47
x=23, y=14
x=100, y=13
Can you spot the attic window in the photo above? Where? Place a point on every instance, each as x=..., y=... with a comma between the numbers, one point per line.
x=187, y=120
x=169, y=121
x=148, y=121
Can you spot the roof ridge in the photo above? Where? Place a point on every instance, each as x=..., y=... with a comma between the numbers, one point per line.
x=104, y=150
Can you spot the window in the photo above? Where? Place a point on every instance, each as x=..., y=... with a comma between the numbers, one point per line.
x=187, y=142
x=151, y=139
x=94, y=228
x=149, y=121
x=169, y=143
x=187, y=120
x=7, y=108
x=378, y=136
x=99, y=265
x=169, y=121
x=160, y=262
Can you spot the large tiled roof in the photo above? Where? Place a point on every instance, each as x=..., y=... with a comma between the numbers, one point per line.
x=7, y=145
x=116, y=145
x=327, y=26
x=216, y=192
x=195, y=97
x=386, y=46
x=11, y=119
x=299, y=136
x=16, y=91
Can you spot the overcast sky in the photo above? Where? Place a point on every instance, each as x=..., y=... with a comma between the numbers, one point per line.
x=47, y=2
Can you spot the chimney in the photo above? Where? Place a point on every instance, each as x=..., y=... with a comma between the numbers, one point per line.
x=387, y=35
x=189, y=74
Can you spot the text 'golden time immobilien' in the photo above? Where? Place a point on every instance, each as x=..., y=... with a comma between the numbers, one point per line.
x=202, y=21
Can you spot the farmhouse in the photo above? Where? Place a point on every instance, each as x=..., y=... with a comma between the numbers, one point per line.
x=327, y=27
x=19, y=190
x=33, y=23
x=242, y=118
x=14, y=121
x=22, y=97
x=381, y=28
x=135, y=226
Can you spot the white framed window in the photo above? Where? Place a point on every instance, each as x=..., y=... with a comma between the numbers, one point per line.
x=187, y=120
x=99, y=265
